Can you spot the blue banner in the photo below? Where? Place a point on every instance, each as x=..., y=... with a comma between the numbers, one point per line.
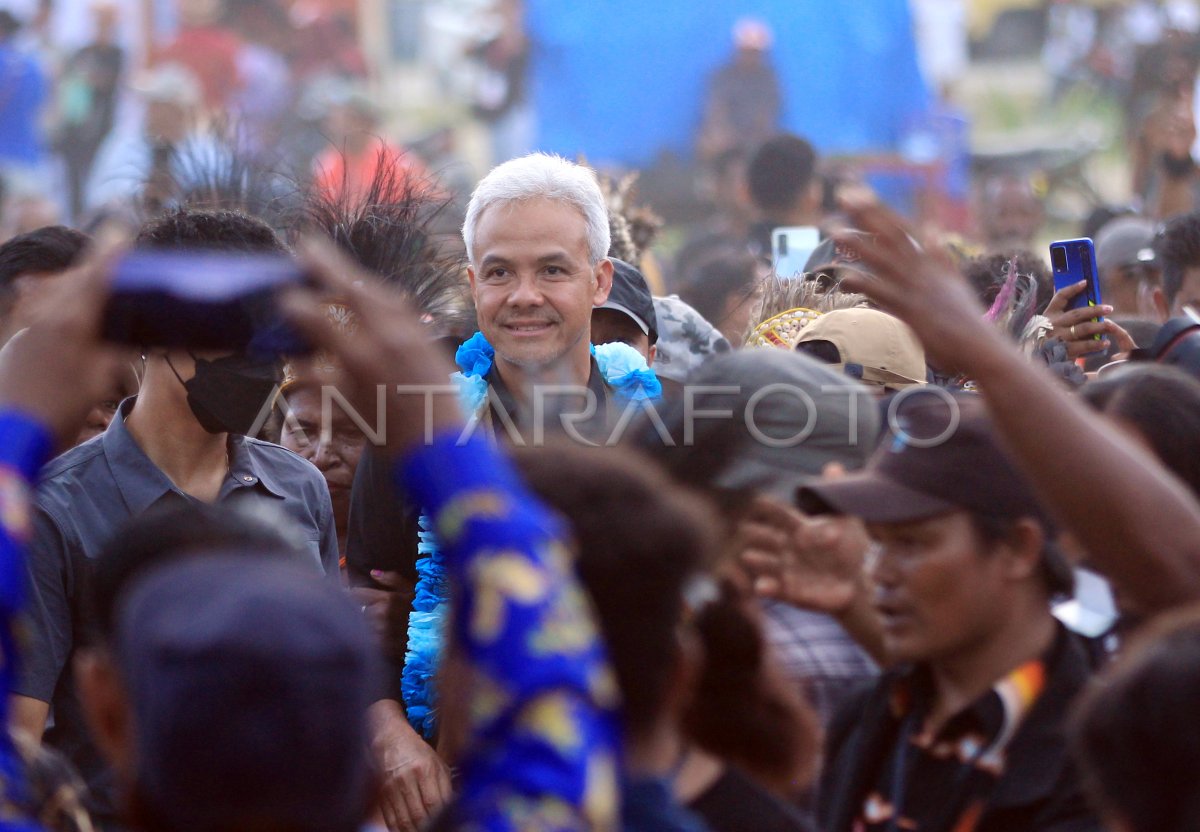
x=621, y=80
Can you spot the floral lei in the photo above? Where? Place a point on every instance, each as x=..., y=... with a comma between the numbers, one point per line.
x=625, y=370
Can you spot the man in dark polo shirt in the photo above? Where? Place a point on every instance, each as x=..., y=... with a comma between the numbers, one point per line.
x=181, y=439
x=966, y=731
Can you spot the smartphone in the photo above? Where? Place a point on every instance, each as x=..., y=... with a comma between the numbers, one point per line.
x=791, y=247
x=1073, y=261
x=203, y=300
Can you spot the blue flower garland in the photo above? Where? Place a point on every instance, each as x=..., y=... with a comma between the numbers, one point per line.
x=626, y=371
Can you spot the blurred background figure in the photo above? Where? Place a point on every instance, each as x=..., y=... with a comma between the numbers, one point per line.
x=1011, y=214
x=24, y=88
x=500, y=98
x=744, y=103
x=141, y=165
x=209, y=49
x=357, y=150
x=87, y=101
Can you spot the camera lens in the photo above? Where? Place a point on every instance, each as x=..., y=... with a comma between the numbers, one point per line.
x=1058, y=258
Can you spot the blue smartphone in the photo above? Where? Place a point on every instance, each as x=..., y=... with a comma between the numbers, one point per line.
x=203, y=300
x=1073, y=261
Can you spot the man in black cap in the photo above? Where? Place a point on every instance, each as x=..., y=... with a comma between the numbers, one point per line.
x=628, y=314
x=964, y=731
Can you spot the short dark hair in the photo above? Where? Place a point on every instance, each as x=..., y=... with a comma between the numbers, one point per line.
x=51, y=249
x=780, y=172
x=1178, y=248
x=190, y=228
x=726, y=270
x=164, y=534
x=641, y=539
x=636, y=577
x=1163, y=404
x=1056, y=572
x=1135, y=737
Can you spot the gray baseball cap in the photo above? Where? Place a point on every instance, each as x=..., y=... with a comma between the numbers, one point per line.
x=1125, y=241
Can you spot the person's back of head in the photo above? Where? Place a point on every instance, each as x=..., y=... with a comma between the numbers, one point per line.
x=1135, y=736
x=788, y=417
x=1162, y=404
x=163, y=535
x=1178, y=248
x=241, y=701
x=643, y=548
x=185, y=229
x=782, y=177
x=45, y=251
x=722, y=287
x=542, y=176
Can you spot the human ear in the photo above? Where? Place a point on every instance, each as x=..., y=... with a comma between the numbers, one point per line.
x=602, y=275
x=1023, y=549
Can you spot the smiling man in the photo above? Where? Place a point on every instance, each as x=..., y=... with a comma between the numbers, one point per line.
x=537, y=237
x=966, y=730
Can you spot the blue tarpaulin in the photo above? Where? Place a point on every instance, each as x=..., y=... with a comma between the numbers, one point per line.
x=621, y=80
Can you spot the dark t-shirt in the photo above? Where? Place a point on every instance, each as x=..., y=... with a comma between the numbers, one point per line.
x=736, y=804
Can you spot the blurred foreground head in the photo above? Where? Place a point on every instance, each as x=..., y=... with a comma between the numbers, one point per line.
x=236, y=699
x=1136, y=738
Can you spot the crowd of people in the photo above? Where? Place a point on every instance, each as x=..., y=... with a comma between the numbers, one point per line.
x=535, y=527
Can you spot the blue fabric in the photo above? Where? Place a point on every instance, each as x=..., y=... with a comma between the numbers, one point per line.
x=541, y=721
x=24, y=445
x=22, y=93
x=620, y=80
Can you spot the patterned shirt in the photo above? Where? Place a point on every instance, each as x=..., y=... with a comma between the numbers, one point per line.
x=542, y=732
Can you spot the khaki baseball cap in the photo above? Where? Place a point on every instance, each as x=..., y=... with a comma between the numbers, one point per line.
x=872, y=346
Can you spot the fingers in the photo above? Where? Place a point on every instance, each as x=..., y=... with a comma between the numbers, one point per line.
x=1073, y=317
x=391, y=580
x=1063, y=297
x=445, y=788
x=414, y=808
x=1083, y=348
x=1124, y=341
x=395, y=815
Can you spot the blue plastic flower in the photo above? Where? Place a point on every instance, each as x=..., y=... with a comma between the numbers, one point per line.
x=475, y=356
x=626, y=371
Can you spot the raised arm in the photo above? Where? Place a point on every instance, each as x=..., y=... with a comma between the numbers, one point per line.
x=1138, y=522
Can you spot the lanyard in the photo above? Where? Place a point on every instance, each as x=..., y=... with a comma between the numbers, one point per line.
x=900, y=765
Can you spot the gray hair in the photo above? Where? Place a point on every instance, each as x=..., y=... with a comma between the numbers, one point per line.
x=545, y=176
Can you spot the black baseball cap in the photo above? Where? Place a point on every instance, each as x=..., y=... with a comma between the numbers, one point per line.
x=631, y=295
x=941, y=455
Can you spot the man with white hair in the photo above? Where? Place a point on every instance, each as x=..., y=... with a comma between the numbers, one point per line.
x=537, y=239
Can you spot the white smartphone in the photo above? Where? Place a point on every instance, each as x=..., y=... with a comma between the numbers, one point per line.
x=791, y=247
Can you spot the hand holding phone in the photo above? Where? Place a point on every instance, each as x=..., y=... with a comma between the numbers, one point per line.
x=1076, y=310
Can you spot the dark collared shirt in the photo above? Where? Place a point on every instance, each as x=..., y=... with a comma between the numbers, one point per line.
x=1001, y=764
x=84, y=497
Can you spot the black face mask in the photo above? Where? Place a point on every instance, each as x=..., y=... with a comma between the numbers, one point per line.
x=227, y=395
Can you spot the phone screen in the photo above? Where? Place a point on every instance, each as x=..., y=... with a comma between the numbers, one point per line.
x=791, y=247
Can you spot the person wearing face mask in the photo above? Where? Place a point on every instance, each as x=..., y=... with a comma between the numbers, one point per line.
x=185, y=437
